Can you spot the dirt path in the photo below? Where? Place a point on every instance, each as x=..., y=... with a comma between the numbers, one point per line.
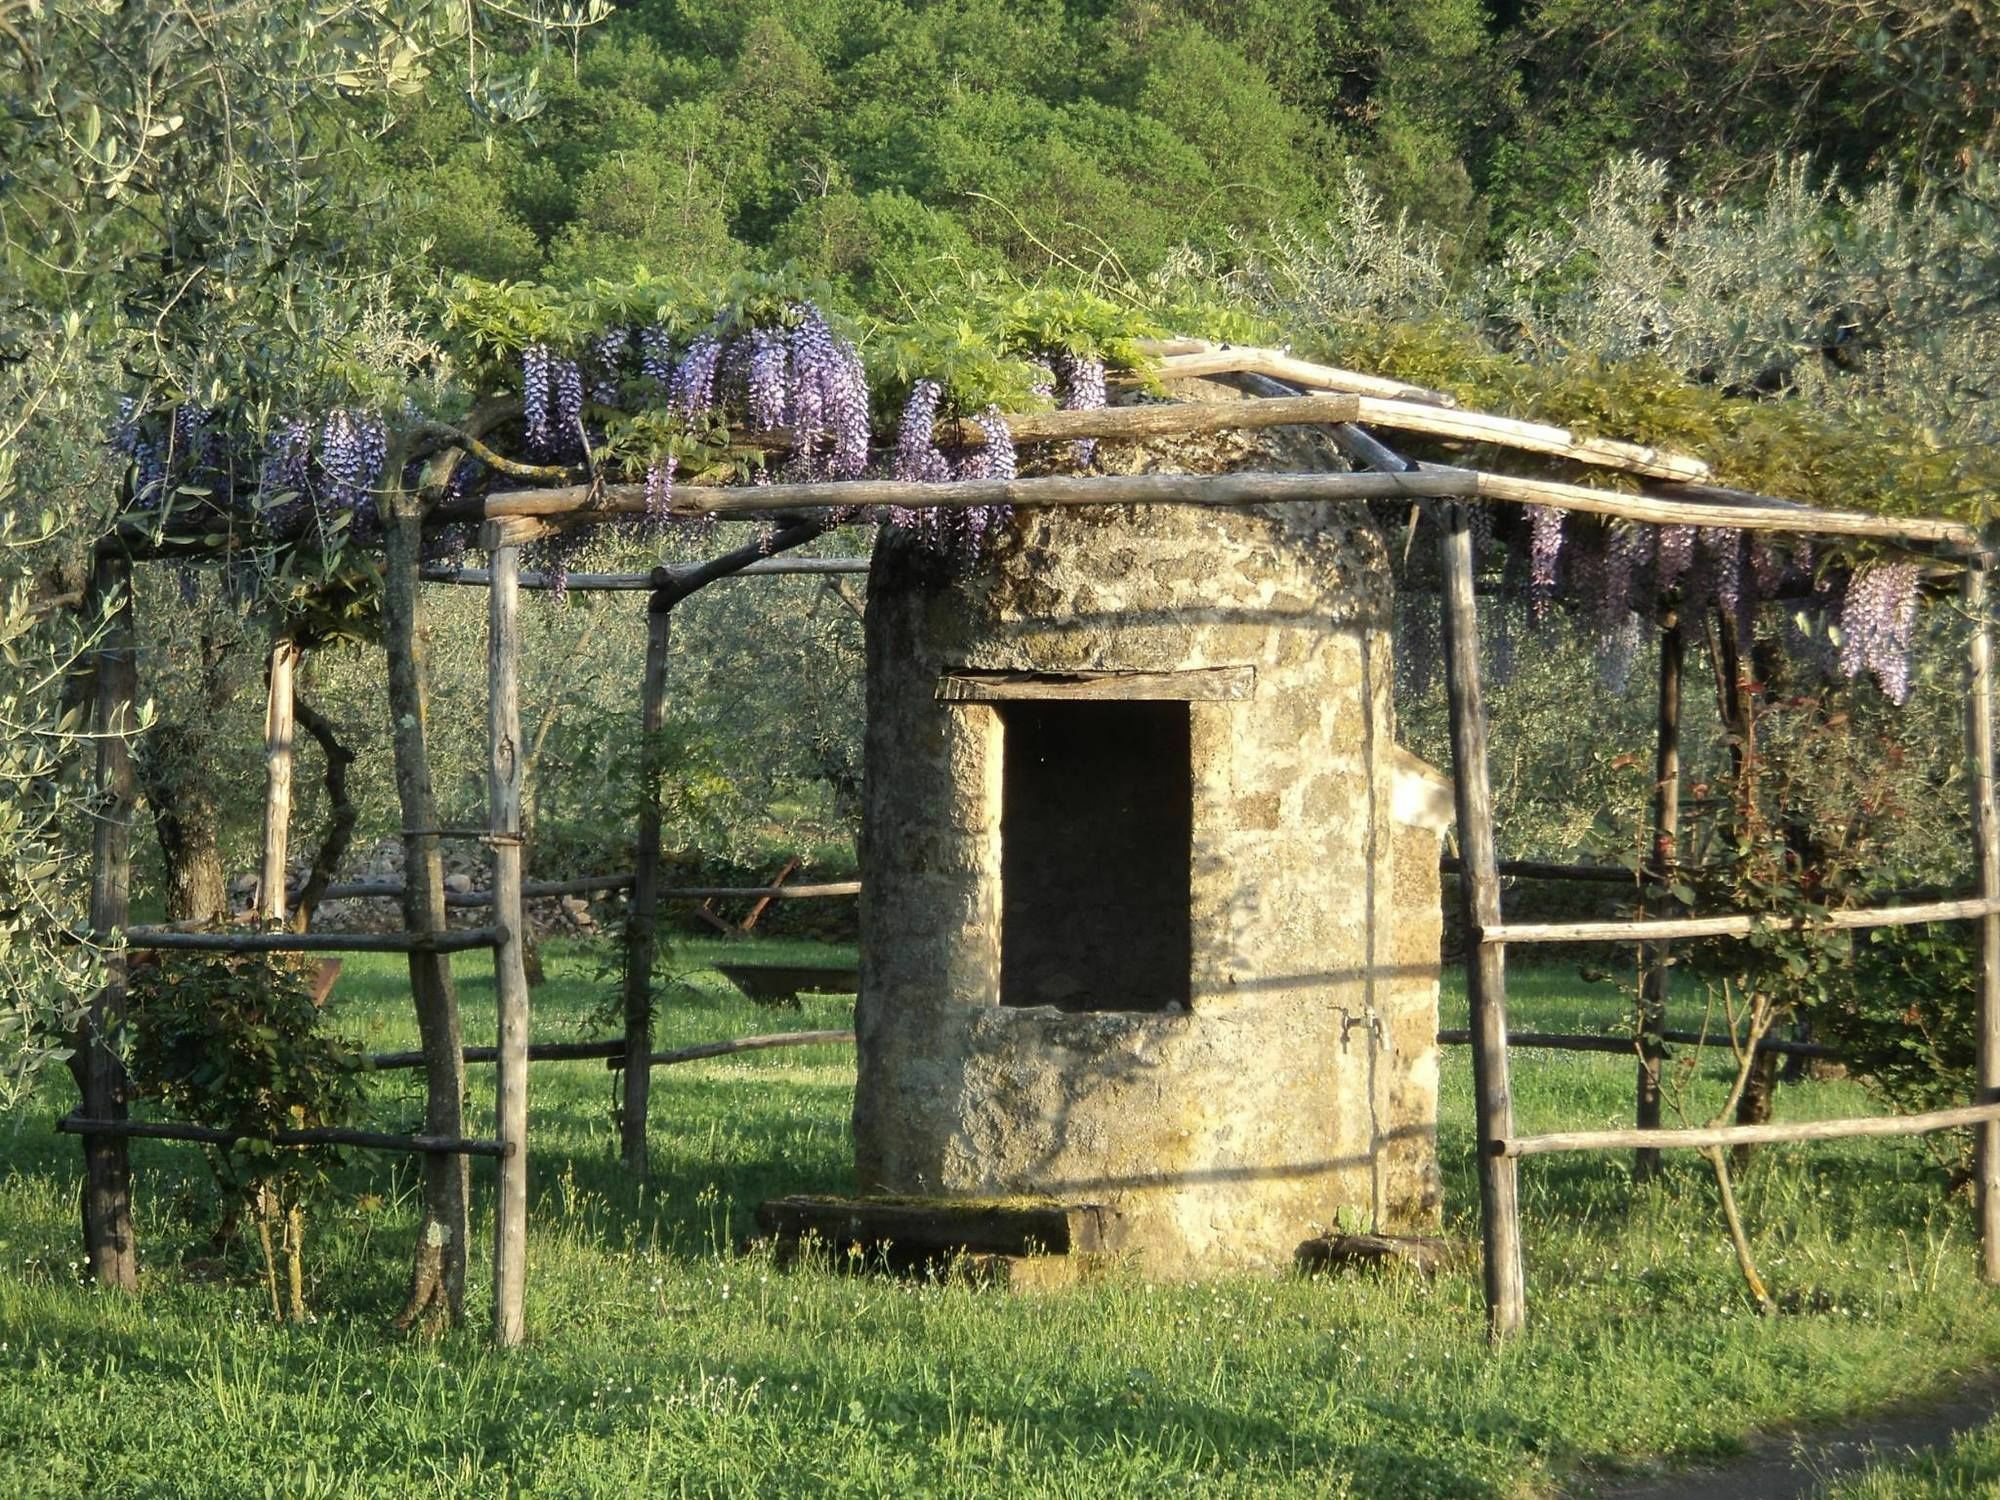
x=1790, y=1466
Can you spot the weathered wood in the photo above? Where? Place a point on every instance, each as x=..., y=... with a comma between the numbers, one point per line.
x=1986, y=849
x=614, y=500
x=533, y=890
x=1657, y=983
x=767, y=567
x=281, y=676
x=1479, y=905
x=1200, y=685
x=763, y=903
x=317, y=1135
x=1278, y=365
x=642, y=916
x=506, y=771
x=1705, y=1138
x=1159, y=419
x=1424, y=1254
x=933, y=1227
x=743, y=1044
x=1561, y=1041
x=1538, y=869
x=110, y=1250
x=155, y=939
x=1665, y=508
x=801, y=892
x=1529, y=437
x=585, y=502
x=1413, y=409
x=1741, y=925
x=537, y=1052
x=437, y=1278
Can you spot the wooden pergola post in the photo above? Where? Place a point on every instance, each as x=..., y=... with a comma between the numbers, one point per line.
x=1665, y=855
x=1986, y=845
x=642, y=918
x=510, y=975
x=108, y=1242
x=280, y=686
x=1479, y=901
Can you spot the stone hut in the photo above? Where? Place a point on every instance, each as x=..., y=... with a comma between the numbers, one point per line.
x=1152, y=911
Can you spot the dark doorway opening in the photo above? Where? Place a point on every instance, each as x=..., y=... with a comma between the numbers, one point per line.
x=1096, y=818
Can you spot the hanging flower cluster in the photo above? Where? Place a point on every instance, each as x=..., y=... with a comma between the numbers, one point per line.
x=1609, y=571
x=961, y=534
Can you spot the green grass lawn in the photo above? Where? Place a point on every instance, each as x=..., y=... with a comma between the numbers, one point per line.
x=660, y=1362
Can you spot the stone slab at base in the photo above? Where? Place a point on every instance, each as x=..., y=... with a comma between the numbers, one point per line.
x=1423, y=1253
x=918, y=1233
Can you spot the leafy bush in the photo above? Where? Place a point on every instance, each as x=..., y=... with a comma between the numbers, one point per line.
x=237, y=1042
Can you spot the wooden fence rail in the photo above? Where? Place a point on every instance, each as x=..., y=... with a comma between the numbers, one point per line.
x=1746, y=1135
x=1734, y=925
x=149, y=939
x=320, y=1135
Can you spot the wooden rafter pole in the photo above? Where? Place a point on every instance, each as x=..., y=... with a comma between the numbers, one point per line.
x=583, y=503
x=279, y=690
x=1658, y=981
x=109, y=1246
x=642, y=918
x=1486, y=967
x=510, y=975
x=1986, y=846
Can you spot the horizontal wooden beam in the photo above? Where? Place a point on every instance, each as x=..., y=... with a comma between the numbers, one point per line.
x=576, y=503
x=1556, y=1041
x=1536, y=869
x=744, y=1044
x=1407, y=408
x=646, y=582
x=1160, y=419
x=1747, y=1135
x=1202, y=685
x=153, y=939
x=321, y=1135
x=1736, y=925
x=389, y=890
x=1217, y=359
x=581, y=502
x=537, y=1052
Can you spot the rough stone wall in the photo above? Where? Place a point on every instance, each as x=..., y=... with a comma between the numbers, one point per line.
x=1301, y=1078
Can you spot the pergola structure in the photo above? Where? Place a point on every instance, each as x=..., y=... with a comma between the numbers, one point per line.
x=1672, y=489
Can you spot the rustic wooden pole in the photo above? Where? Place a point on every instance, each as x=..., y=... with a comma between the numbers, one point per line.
x=1864, y=1127
x=278, y=716
x=1986, y=845
x=109, y=1247
x=437, y=1280
x=1486, y=967
x=503, y=724
x=1658, y=982
x=642, y=919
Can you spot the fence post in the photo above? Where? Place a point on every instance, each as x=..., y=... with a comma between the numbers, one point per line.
x=108, y=1243
x=1986, y=845
x=510, y=975
x=278, y=732
x=1479, y=901
x=1658, y=983
x=642, y=916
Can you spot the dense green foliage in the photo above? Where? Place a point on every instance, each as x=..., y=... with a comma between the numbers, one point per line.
x=662, y=1361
